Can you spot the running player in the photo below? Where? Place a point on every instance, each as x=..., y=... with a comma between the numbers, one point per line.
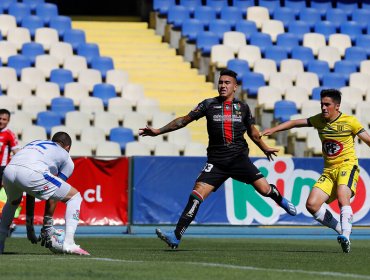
x=340, y=175
x=227, y=120
x=40, y=169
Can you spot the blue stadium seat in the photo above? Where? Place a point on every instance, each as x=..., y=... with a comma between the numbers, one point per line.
x=251, y=82
x=322, y=5
x=231, y=14
x=18, y=62
x=104, y=92
x=336, y=17
x=355, y=54
x=61, y=106
x=287, y=41
x=295, y=5
x=46, y=11
x=121, y=135
x=217, y=5
x=239, y=66
x=365, y=4
x=191, y=28
x=61, y=24
x=284, y=109
x=276, y=53
x=305, y=54
x=351, y=28
x=48, y=119
x=191, y=4
x=205, y=41
x=103, y=64
x=31, y=50
x=4, y=4
x=319, y=67
x=32, y=23
x=299, y=28
x=363, y=42
x=33, y=3
x=75, y=37
x=61, y=77
x=316, y=92
x=348, y=6
x=346, y=67
x=247, y=27
x=89, y=51
x=205, y=14
x=162, y=6
x=271, y=5
x=176, y=15
x=361, y=16
x=310, y=15
x=334, y=80
x=19, y=11
x=219, y=27
x=285, y=15
x=261, y=40
x=325, y=27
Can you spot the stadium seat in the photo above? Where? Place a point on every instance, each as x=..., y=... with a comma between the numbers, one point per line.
x=267, y=96
x=304, y=54
x=247, y=27
x=32, y=76
x=47, y=91
x=322, y=6
x=33, y=132
x=61, y=24
x=352, y=96
x=119, y=106
x=355, y=54
x=61, y=77
x=287, y=41
x=103, y=64
x=296, y=5
x=166, y=149
x=307, y=80
x=219, y=27
x=7, y=75
x=239, y=66
x=291, y=67
x=117, y=77
x=340, y=41
x=148, y=107
x=162, y=6
x=89, y=51
x=191, y=28
x=329, y=54
x=319, y=67
x=76, y=91
x=19, y=91
x=75, y=37
x=365, y=66
x=314, y=41
x=106, y=121
x=325, y=27
x=19, y=11
x=66, y=129
x=32, y=23
x=334, y=80
x=79, y=149
x=122, y=136
x=75, y=63
x=4, y=4
x=46, y=37
x=31, y=50
x=298, y=95
x=261, y=40
x=46, y=63
x=273, y=28
x=135, y=121
x=136, y=149
x=231, y=14
x=249, y=53
x=176, y=15
x=18, y=62
x=217, y=5
x=62, y=105
x=299, y=28
x=77, y=121
x=280, y=81
x=7, y=49
x=47, y=120
x=345, y=67
x=315, y=94
x=33, y=105
x=284, y=14
x=266, y=67
x=8, y=102
x=205, y=41
x=310, y=15
x=336, y=17
x=108, y=149
x=46, y=11
x=258, y=15
x=359, y=80
x=91, y=105
x=93, y=136
x=191, y=4
x=363, y=42
x=104, y=92
x=90, y=77
x=243, y=5
x=276, y=53
x=162, y=118
x=205, y=14
x=361, y=17
x=251, y=82
x=60, y=51
x=18, y=36
x=352, y=29
x=314, y=145
x=33, y=3
x=19, y=120
x=347, y=5
x=283, y=109
x=220, y=55
x=7, y=22
x=180, y=137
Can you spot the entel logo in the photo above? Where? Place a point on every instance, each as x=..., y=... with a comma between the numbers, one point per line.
x=92, y=195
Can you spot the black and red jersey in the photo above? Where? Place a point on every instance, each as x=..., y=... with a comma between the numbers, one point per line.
x=227, y=121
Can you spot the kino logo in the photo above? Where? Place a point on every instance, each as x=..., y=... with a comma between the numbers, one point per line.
x=245, y=206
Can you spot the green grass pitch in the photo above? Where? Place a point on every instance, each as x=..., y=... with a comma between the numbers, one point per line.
x=196, y=258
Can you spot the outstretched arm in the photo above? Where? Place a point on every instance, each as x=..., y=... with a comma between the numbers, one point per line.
x=285, y=126
x=254, y=135
x=177, y=123
x=364, y=136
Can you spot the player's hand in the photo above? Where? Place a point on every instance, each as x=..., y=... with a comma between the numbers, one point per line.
x=45, y=236
x=266, y=132
x=271, y=152
x=148, y=131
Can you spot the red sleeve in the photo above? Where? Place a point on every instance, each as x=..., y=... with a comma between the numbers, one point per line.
x=13, y=141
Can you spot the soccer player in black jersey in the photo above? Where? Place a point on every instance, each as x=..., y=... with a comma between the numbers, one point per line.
x=227, y=120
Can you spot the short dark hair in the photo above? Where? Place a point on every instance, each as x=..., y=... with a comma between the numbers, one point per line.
x=4, y=111
x=228, y=72
x=62, y=138
x=334, y=94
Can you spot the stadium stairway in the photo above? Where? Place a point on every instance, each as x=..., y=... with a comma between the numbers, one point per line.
x=150, y=62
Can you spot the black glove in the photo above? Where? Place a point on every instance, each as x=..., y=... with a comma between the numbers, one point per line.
x=31, y=236
x=45, y=236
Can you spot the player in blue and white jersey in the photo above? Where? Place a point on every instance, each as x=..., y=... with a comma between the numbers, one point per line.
x=40, y=169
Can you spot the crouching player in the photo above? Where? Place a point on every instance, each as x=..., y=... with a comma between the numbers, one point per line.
x=40, y=169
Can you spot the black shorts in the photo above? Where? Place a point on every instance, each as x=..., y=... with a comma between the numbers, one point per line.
x=241, y=169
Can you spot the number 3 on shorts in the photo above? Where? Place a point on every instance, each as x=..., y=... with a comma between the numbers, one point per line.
x=208, y=167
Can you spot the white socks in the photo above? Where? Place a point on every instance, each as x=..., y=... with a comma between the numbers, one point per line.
x=72, y=217
x=346, y=217
x=326, y=218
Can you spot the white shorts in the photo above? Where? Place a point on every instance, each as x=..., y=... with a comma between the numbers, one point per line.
x=42, y=185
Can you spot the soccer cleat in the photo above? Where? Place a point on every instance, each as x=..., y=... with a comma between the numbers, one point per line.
x=12, y=228
x=345, y=243
x=74, y=249
x=168, y=237
x=288, y=207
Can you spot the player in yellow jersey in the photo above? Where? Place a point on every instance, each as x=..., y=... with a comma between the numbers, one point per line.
x=341, y=171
